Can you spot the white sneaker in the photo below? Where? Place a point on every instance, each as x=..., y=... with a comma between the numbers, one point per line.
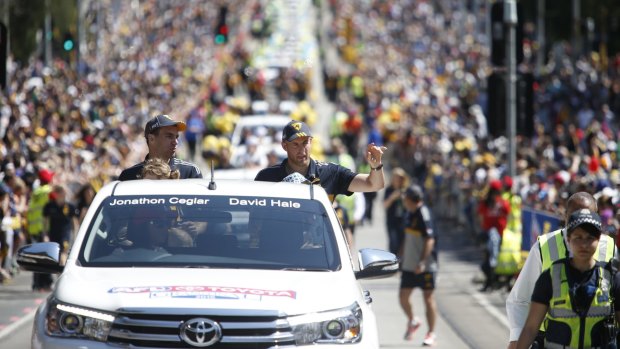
x=411, y=328
x=429, y=340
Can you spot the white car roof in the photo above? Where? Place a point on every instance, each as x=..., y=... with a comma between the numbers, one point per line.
x=224, y=187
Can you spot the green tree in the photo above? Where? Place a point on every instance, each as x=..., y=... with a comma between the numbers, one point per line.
x=559, y=21
x=27, y=18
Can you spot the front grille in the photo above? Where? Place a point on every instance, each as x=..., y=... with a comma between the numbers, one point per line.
x=161, y=328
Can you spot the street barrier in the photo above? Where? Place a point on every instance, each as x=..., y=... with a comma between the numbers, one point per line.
x=535, y=223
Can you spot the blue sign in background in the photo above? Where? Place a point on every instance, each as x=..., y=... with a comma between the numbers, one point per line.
x=535, y=223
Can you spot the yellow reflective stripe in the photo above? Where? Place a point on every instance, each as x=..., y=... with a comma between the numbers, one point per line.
x=601, y=249
x=544, y=251
x=552, y=248
x=557, y=274
x=606, y=248
x=560, y=247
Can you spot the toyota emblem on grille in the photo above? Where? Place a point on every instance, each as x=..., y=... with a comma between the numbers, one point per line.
x=200, y=332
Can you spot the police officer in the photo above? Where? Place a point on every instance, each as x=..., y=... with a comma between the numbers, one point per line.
x=162, y=139
x=575, y=293
x=335, y=179
x=549, y=248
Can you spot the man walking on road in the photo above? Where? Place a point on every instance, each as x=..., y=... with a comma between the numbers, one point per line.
x=548, y=249
x=162, y=139
x=335, y=179
x=419, y=263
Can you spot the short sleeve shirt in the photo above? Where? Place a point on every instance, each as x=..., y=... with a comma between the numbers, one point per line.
x=60, y=218
x=335, y=179
x=418, y=228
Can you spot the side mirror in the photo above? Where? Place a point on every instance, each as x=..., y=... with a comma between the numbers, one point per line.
x=376, y=264
x=43, y=257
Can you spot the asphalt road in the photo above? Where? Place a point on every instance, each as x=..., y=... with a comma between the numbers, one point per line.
x=467, y=317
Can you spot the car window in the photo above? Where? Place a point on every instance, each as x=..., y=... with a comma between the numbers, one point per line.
x=210, y=231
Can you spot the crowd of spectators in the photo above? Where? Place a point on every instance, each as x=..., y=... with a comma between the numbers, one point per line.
x=85, y=123
x=428, y=100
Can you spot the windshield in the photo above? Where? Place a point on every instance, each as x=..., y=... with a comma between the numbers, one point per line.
x=210, y=231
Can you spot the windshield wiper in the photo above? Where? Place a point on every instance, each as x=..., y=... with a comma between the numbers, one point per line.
x=305, y=269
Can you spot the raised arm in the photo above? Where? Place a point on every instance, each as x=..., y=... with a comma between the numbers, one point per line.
x=374, y=180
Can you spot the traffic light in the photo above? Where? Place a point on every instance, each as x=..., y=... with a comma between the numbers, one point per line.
x=4, y=43
x=68, y=44
x=221, y=35
x=221, y=30
x=499, y=34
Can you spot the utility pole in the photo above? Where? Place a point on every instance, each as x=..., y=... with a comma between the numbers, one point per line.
x=540, y=25
x=7, y=21
x=5, y=49
x=577, y=39
x=82, y=5
x=510, y=21
x=48, y=33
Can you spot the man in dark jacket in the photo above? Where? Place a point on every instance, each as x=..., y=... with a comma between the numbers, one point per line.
x=162, y=139
x=334, y=178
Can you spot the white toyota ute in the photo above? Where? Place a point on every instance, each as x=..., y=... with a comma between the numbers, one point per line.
x=195, y=263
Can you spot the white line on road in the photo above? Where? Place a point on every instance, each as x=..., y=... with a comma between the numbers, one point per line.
x=17, y=324
x=490, y=308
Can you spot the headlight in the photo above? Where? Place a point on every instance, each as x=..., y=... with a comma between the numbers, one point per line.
x=333, y=326
x=65, y=320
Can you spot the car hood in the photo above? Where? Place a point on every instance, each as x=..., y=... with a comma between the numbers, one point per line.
x=287, y=292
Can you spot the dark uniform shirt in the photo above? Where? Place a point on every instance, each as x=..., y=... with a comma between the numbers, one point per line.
x=335, y=179
x=186, y=169
x=60, y=220
x=418, y=227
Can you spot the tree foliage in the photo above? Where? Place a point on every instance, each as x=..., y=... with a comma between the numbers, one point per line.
x=559, y=24
x=27, y=23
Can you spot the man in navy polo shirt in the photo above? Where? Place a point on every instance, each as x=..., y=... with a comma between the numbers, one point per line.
x=335, y=179
x=162, y=138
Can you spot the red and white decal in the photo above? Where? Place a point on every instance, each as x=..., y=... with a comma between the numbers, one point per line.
x=221, y=289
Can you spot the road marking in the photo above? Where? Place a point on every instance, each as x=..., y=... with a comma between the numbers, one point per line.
x=4, y=332
x=484, y=302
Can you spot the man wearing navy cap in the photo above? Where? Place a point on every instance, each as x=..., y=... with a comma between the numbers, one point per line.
x=335, y=179
x=162, y=139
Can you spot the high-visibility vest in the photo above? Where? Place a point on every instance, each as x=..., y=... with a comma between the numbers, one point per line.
x=514, y=217
x=562, y=314
x=348, y=203
x=34, y=216
x=509, y=258
x=553, y=248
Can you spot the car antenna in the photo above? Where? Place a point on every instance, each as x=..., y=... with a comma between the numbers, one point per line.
x=212, y=185
x=313, y=179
